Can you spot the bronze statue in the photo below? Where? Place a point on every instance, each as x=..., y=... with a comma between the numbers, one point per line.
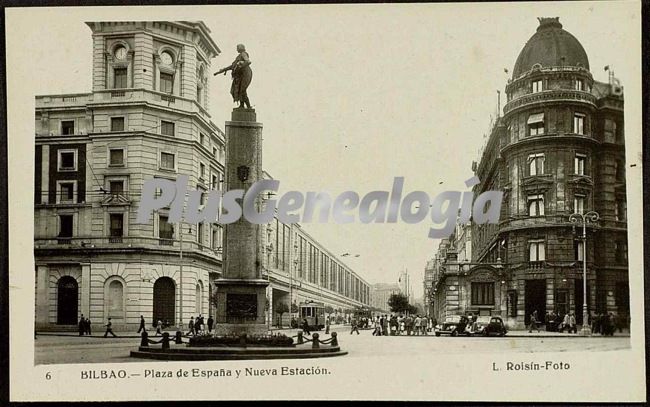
x=241, y=77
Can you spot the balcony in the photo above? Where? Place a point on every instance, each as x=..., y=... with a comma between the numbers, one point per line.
x=550, y=96
x=124, y=243
x=128, y=96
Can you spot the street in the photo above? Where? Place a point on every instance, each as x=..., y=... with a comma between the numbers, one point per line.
x=75, y=349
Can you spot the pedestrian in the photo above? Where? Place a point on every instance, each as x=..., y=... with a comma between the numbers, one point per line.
x=418, y=325
x=109, y=329
x=141, y=328
x=305, y=326
x=327, y=324
x=533, y=322
x=191, y=327
x=210, y=323
x=355, y=326
x=408, y=321
x=572, y=323
x=159, y=328
x=82, y=325
x=595, y=324
x=197, y=324
x=88, y=326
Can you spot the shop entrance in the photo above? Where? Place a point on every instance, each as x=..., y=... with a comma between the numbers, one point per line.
x=535, y=299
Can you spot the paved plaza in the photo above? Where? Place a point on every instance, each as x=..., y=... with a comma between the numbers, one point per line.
x=54, y=349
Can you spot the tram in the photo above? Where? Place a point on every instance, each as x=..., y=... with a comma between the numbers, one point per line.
x=314, y=313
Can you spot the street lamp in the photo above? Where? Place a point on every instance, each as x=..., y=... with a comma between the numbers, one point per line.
x=591, y=217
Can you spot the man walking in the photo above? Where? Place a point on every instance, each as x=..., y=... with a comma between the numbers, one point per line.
x=82, y=325
x=355, y=326
x=210, y=323
x=191, y=327
x=88, y=326
x=141, y=324
x=109, y=329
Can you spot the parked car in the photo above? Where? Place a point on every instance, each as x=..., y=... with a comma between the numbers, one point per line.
x=453, y=326
x=478, y=327
x=487, y=326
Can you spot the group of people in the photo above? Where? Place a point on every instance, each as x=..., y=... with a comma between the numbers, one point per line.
x=402, y=325
x=197, y=326
x=84, y=326
x=602, y=323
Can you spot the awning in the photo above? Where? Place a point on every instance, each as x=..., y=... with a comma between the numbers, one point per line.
x=536, y=118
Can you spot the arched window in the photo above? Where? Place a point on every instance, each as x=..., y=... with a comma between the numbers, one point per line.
x=115, y=299
x=199, y=297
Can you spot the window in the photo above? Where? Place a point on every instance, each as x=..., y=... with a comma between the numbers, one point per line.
x=537, y=86
x=119, y=78
x=536, y=251
x=620, y=210
x=535, y=124
x=214, y=184
x=117, y=123
x=116, y=156
x=199, y=299
x=579, y=204
x=579, y=123
x=512, y=303
x=66, y=192
x=620, y=171
x=579, y=164
x=198, y=94
x=65, y=225
x=117, y=220
x=166, y=128
x=579, y=84
x=201, y=170
x=67, y=127
x=167, y=161
x=67, y=160
x=562, y=302
x=482, y=293
x=536, y=164
x=199, y=233
x=166, y=83
x=214, y=152
x=116, y=187
x=536, y=205
x=202, y=139
x=165, y=229
x=217, y=231
x=579, y=250
x=115, y=301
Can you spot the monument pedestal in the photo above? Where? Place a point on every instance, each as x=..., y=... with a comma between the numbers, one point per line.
x=240, y=307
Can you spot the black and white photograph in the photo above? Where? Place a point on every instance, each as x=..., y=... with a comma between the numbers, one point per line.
x=344, y=201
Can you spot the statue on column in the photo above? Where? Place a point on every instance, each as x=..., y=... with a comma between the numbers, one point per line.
x=241, y=77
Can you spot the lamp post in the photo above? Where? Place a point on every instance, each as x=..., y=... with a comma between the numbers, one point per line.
x=591, y=217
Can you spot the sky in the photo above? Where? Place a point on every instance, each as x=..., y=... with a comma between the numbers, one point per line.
x=353, y=96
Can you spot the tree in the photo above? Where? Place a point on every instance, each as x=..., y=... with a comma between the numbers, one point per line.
x=398, y=303
x=280, y=309
x=329, y=309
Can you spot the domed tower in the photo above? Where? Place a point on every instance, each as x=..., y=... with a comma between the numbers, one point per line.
x=558, y=150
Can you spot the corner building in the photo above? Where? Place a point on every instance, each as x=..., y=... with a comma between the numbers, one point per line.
x=558, y=149
x=146, y=117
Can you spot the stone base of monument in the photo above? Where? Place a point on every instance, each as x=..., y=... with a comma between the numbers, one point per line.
x=233, y=347
x=235, y=353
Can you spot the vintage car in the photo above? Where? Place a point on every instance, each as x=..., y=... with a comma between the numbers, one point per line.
x=454, y=326
x=486, y=326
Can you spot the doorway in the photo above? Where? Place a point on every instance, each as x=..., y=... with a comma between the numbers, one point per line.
x=535, y=299
x=164, y=300
x=67, y=301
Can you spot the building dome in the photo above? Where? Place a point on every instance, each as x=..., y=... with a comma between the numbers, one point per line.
x=550, y=46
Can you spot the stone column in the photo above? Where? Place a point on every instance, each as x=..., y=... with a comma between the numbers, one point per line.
x=42, y=294
x=85, y=289
x=242, y=289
